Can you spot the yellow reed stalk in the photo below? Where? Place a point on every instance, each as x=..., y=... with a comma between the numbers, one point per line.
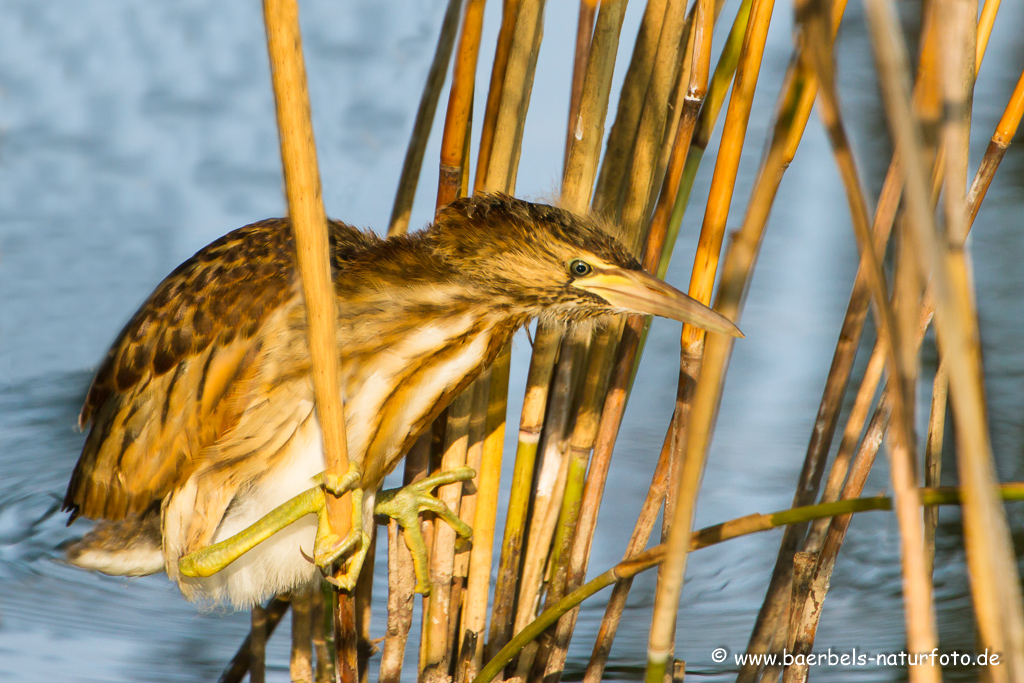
x=305, y=207
x=509, y=17
x=994, y=582
x=460, y=105
x=501, y=161
x=437, y=649
x=550, y=489
x=410, y=176
x=468, y=504
x=586, y=134
x=660, y=643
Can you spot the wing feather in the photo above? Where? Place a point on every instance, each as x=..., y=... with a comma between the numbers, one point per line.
x=184, y=369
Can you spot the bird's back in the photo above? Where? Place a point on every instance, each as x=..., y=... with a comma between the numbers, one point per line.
x=181, y=372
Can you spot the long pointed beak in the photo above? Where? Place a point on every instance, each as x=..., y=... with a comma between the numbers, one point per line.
x=640, y=292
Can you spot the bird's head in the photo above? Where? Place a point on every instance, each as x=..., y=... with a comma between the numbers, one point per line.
x=556, y=264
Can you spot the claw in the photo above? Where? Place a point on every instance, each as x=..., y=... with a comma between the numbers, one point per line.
x=404, y=506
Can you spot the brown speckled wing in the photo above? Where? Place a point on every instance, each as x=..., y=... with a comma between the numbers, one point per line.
x=182, y=371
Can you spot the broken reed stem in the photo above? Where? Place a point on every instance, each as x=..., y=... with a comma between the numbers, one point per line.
x=660, y=643
x=1001, y=139
x=454, y=158
x=413, y=163
x=994, y=581
x=712, y=535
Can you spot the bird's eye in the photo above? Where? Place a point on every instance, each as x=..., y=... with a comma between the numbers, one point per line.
x=580, y=268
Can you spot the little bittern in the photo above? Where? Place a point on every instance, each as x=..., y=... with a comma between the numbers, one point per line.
x=201, y=417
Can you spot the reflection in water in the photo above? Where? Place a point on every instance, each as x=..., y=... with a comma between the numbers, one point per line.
x=132, y=136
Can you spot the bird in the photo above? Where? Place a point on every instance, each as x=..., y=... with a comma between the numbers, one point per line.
x=201, y=422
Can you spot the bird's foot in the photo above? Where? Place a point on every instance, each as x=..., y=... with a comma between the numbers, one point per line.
x=329, y=546
x=404, y=506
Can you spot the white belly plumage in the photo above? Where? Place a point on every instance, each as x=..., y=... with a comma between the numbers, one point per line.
x=278, y=565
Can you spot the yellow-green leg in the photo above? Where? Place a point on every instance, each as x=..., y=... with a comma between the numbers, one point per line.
x=404, y=506
x=327, y=548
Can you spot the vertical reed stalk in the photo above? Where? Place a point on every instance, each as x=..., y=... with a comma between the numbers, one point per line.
x=660, y=642
x=496, y=172
x=454, y=159
x=410, y=176
x=509, y=17
x=258, y=645
x=901, y=352
x=322, y=648
x=301, y=664
x=611, y=180
x=584, y=36
x=306, y=210
x=401, y=578
x=239, y=665
x=442, y=559
x=637, y=542
x=994, y=582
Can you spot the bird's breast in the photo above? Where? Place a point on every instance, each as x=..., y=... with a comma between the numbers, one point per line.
x=393, y=394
